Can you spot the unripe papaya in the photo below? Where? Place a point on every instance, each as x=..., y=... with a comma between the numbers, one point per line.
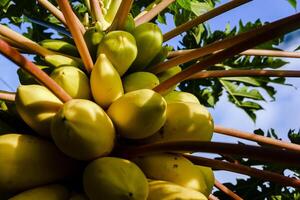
x=105, y=81
x=114, y=179
x=93, y=37
x=138, y=114
x=60, y=46
x=82, y=130
x=149, y=40
x=178, y=96
x=163, y=76
x=186, y=121
x=139, y=80
x=27, y=162
x=37, y=105
x=164, y=190
x=48, y=192
x=74, y=81
x=120, y=48
x=161, y=56
x=57, y=60
x=129, y=24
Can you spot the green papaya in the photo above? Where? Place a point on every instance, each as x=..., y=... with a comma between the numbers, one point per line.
x=60, y=46
x=74, y=81
x=114, y=179
x=165, y=75
x=129, y=24
x=105, y=81
x=179, y=96
x=37, y=105
x=82, y=130
x=161, y=56
x=28, y=161
x=120, y=48
x=139, y=80
x=57, y=60
x=93, y=37
x=138, y=114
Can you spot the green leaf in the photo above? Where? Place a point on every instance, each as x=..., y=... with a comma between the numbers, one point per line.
x=293, y=3
x=3, y=3
x=248, y=80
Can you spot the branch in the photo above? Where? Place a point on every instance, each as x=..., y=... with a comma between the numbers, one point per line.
x=153, y=12
x=241, y=169
x=246, y=41
x=55, y=11
x=77, y=36
x=33, y=70
x=266, y=154
x=227, y=191
x=7, y=96
x=212, y=197
x=121, y=16
x=209, y=15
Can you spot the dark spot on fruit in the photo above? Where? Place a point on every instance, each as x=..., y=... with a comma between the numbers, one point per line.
x=130, y=194
x=175, y=158
x=175, y=166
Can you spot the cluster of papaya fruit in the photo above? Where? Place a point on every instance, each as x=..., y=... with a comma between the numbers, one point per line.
x=76, y=140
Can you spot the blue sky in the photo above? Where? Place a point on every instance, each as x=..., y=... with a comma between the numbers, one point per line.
x=281, y=115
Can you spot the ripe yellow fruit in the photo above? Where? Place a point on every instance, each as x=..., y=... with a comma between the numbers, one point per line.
x=185, y=121
x=138, y=114
x=120, y=48
x=178, y=96
x=139, y=80
x=171, y=167
x=114, y=179
x=74, y=81
x=49, y=192
x=165, y=75
x=106, y=83
x=82, y=130
x=27, y=162
x=164, y=190
x=37, y=105
x=208, y=178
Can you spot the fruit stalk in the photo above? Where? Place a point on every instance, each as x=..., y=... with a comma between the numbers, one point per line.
x=33, y=70
x=227, y=191
x=121, y=16
x=7, y=96
x=202, y=18
x=96, y=10
x=251, y=38
x=77, y=35
x=241, y=169
x=212, y=197
x=147, y=17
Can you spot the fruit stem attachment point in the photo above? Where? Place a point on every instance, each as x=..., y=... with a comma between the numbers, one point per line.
x=33, y=70
x=227, y=191
x=7, y=96
x=96, y=10
x=121, y=16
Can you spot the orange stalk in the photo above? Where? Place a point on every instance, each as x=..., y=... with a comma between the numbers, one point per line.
x=7, y=96
x=227, y=191
x=212, y=197
x=55, y=11
x=121, y=16
x=96, y=10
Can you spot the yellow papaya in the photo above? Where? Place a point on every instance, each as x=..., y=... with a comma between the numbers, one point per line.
x=165, y=75
x=208, y=178
x=139, y=80
x=179, y=96
x=60, y=46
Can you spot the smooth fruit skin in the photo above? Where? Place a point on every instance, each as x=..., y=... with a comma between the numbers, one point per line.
x=185, y=121
x=120, y=48
x=140, y=80
x=171, y=167
x=138, y=114
x=163, y=76
x=60, y=46
x=208, y=177
x=164, y=190
x=114, y=179
x=82, y=130
x=149, y=40
x=74, y=81
x=105, y=81
x=37, y=106
x=178, y=96
x=28, y=161
x=49, y=192
x=57, y=60
x=92, y=38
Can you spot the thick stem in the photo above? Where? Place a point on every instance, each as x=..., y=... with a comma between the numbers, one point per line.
x=209, y=15
x=250, y=39
x=55, y=11
x=7, y=96
x=96, y=10
x=265, y=154
x=33, y=70
x=227, y=191
x=77, y=35
x=121, y=16
x=212, y=197
x=241, y=169
x=153, y=12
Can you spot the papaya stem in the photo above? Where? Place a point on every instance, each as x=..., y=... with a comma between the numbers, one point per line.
x=241, y=169
x=77, y=35
x=52, y=9
x=212, y=197
x=246, y=41
x=153, y=12
x=121, y=16
x=227, y=191
x=33, y=70
x=7, y=96
x=265, y=154
x=96, y=10
x=202, y=18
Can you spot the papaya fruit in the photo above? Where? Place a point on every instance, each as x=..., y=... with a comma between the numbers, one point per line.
x=86, y=137
x=161, y=56
x=60, y=46
x=74, y=81
x=57, y=60
x=208, y=178
x=129, y=24
x=139, y=80
x=105, y=82
x=114, y=179
x=48, y=192
x=164, y=190
x=178, y=96
x=37, y=105
x=138, y=114
x=93, y=37
x=149, y=41
x=78, y=197
x=28, y=161
x=165, y=75
x=120, y=48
